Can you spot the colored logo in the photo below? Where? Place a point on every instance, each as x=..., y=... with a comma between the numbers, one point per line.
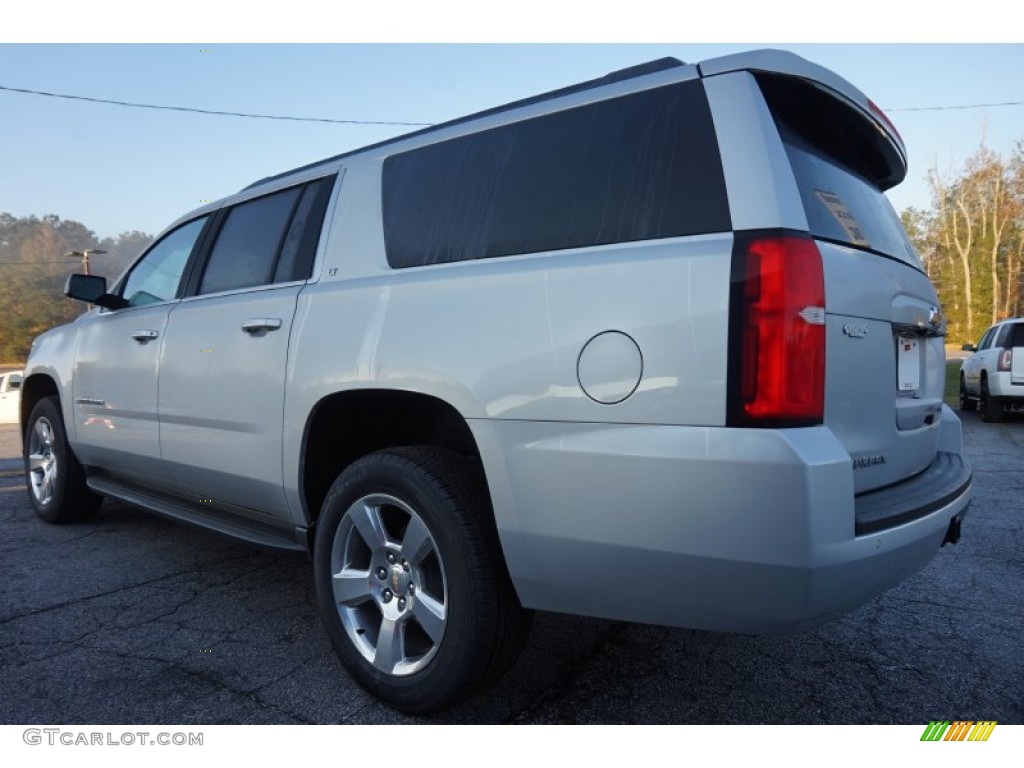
x=958, y=730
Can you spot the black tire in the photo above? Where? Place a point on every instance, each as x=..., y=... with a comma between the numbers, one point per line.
x=991, y=408
x=966, y=403
x=55, y=479
x=427, y=508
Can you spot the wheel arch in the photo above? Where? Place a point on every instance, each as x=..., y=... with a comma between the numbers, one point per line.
x=345, y=426
x=33, y=389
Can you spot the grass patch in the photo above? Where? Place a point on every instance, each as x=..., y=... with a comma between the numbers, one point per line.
x=952, y=395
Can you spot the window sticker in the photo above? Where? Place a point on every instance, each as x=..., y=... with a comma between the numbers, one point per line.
x=842, y=214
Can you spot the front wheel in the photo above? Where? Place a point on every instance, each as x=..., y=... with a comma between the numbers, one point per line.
x=55, y=479
x=410, y=579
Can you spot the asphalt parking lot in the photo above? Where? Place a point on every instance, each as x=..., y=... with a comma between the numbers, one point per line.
x=132, y=619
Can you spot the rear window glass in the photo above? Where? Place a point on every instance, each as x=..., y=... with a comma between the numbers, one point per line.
x=638, y=167
x=842, y=206
x=841, y=166
x=1017, y=335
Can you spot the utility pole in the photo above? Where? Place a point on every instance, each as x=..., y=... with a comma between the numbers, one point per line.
x=84, y=256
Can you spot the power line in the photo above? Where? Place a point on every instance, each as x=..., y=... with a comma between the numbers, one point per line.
x=207, y=111
x=387, y=122
x=958, y=106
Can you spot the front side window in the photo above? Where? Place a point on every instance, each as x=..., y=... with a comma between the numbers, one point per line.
x=157, y=275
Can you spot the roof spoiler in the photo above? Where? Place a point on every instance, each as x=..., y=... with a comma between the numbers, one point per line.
x=785, y=63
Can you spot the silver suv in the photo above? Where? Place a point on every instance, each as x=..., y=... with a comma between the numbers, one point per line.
x=654, y=347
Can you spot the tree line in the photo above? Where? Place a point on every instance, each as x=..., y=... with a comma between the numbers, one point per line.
x=971, y=241
x=34, y=267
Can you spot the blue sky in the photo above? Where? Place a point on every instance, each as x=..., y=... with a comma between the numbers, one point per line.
x=117, y=168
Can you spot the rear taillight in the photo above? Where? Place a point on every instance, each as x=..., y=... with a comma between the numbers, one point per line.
x=1005, y=360
x=777, y=331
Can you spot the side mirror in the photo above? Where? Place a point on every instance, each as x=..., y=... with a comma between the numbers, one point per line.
x=968, y=348
x=93, y=289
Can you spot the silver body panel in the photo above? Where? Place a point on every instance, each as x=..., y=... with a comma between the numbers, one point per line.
x=617, y=488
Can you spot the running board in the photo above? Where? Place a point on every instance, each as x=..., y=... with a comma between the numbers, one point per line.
x=253, y=532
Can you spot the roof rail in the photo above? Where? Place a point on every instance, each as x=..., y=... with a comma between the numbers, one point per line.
x=647, y=68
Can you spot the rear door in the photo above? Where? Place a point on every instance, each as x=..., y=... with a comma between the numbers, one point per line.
x=222, y=370
x=885, y=358
x=981, y=358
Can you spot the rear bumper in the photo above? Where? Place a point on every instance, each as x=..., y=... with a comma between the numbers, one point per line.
x=941, y=484
x=1001, y=386
x=707, y=528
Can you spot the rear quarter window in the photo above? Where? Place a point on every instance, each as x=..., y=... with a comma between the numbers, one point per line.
x=637, y=167
x=1016, y=335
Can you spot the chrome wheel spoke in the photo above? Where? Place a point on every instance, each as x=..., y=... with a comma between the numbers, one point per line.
x=46, y=489
x=417, y=542
x=430, y=615
x=390, y=648
x=351, y=587
x=366, y=519
x=35, y=462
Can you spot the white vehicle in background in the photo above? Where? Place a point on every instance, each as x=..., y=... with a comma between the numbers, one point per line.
x=10, y=396
x=993, y=377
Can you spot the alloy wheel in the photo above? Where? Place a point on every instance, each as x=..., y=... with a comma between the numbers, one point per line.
x=389, y=584
x=42, y=461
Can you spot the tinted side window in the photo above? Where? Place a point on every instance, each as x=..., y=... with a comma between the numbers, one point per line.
x=157, y=275
x=1017, y=336
x=299, y=249
x=986, y=339
x=245, y=252
x=1002, y=336
x=638, y=167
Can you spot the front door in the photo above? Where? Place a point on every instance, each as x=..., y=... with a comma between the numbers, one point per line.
x=114, y=395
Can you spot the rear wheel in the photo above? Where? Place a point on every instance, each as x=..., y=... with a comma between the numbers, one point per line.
x=966, y=403
x=410, y=579
x=991, y=408
x=55, y=479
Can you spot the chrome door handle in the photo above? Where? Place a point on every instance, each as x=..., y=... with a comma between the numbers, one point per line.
x=145, y=336
x=258, y=325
